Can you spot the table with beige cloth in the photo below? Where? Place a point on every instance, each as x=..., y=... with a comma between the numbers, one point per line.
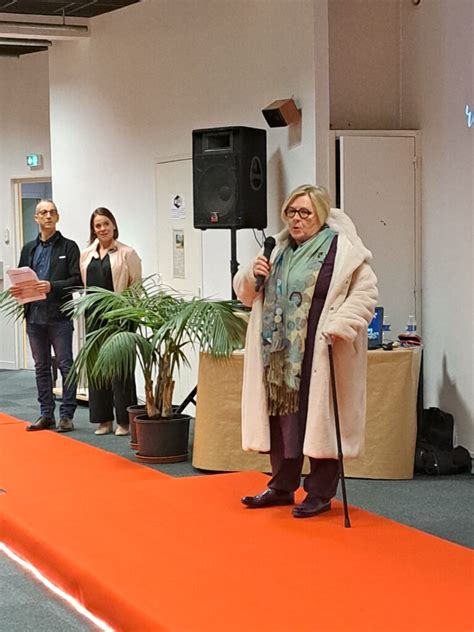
x=392, y=386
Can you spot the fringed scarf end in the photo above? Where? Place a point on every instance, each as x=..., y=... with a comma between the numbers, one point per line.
x=281, y=400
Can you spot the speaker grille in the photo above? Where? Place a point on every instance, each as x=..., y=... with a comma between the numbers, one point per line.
x=217, y=191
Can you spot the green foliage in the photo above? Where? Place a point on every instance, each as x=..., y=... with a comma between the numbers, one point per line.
x=153, y=326
x=9, y=306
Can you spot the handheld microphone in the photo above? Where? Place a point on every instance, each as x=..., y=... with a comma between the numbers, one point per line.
x=268, y=246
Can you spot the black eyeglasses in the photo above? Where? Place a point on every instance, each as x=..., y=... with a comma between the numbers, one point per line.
x=304, y=213
x=43, y=213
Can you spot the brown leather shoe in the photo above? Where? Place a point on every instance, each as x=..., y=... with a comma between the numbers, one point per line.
x=65, y=425
x=268, y=498
x=42, y=423
x=311, y=507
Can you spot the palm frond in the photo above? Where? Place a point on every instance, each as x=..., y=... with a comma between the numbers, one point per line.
x=215, y=325
x=117, y=356
x=10, y=307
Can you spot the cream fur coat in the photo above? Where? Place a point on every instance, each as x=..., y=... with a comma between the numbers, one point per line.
x=348, y=309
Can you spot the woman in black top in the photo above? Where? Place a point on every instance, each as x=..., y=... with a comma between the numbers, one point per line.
x=109, y=264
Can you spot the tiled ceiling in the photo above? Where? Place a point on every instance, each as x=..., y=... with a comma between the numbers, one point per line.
x=51, y=8
x=77, y=8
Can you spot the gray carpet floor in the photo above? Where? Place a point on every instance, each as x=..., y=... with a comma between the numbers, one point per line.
x=440, y=506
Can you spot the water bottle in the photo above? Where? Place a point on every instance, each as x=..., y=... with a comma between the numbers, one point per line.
x=411, y=325
x=386, y=330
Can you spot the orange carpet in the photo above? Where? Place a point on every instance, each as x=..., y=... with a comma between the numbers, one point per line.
x=147, y=552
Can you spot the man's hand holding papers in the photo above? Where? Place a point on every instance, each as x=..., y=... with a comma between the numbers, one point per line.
x=26, y=287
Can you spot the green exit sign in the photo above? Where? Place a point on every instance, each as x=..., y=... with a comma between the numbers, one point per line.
x=34, y=160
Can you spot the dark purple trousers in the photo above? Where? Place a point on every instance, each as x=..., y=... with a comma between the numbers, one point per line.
x=322, y=480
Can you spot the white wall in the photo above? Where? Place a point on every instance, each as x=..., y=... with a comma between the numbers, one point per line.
x=322, y=97
x=24, y=129
x=364, y=64
x=437, y=53
x=150, y=74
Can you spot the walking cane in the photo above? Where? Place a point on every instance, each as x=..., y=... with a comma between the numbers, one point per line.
x=347, y=522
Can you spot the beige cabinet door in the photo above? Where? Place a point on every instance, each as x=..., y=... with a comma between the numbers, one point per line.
x=378, y=191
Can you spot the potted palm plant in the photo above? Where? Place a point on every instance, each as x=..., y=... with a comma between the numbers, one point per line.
x=152, y=327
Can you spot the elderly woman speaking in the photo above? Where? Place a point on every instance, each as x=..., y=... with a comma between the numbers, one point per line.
x=318, y=284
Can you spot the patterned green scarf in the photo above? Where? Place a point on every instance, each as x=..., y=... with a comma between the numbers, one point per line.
x=288, y=296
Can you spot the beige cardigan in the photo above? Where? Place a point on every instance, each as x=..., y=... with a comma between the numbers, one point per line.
x=125, y=264
x=347, y=311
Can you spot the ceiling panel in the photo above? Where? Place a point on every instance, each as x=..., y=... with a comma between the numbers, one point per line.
x=77, y=8
x=54, y=8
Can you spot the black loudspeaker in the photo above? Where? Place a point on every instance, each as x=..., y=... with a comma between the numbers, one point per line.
x=230, y=177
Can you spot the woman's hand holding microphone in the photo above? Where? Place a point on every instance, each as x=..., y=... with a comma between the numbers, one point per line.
x=261, y=269
x=262, y=265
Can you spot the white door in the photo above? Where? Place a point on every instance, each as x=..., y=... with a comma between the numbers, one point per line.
x=179, y=247
x=377, y=189
x=179, y=243
x=15, y=351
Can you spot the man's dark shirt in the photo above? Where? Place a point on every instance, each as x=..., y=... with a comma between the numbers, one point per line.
x=64, y=274
x=38, y=313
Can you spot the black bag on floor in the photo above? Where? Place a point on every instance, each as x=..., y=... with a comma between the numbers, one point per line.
x=435, y=454
x=436, y=462
x=437, y=428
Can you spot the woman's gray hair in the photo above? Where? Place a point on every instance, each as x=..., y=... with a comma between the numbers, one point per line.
x=319, y=196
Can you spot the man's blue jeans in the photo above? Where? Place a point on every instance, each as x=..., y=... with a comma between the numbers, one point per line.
x=57, y=334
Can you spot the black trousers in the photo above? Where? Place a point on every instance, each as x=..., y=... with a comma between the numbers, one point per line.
x=322, y=480
x=103, y=401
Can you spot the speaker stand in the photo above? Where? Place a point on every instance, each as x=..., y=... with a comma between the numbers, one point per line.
x=234, y=264
x=191, y=398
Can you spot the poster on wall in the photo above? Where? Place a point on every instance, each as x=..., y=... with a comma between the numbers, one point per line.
x=178, y=207
x=178, y=254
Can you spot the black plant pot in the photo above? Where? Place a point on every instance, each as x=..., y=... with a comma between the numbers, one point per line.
x=133, y=411
x=162, y=440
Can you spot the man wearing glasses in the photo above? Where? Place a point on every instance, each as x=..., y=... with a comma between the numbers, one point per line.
x=55, y=260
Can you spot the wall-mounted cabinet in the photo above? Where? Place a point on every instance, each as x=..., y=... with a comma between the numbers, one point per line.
x=375, y=178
